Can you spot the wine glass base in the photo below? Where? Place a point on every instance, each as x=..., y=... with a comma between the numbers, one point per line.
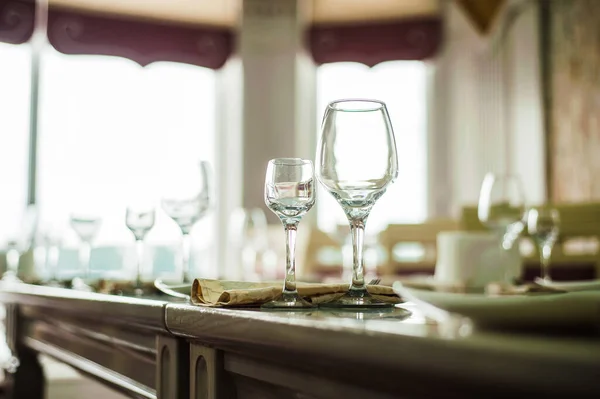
x=54, y=284
x=291, y=301
x=79, y=284
x=354, y=299
x=11, y=277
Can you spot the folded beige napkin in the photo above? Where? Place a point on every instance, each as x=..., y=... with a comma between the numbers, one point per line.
x=238, y=293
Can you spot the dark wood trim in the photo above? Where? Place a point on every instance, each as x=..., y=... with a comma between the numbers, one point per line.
x=546, y=89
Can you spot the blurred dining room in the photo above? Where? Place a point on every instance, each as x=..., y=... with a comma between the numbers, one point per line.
x=299, y=199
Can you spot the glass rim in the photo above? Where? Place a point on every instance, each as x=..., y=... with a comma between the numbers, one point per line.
x=290, y=161
x=370, y=105
x=501, y=175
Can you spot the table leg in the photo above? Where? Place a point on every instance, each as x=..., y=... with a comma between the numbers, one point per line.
x=28, y=380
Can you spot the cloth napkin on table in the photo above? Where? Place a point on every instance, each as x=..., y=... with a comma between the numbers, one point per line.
x=207, y=292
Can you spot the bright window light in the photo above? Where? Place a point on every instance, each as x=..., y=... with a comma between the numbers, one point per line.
x=402, y=86
x=109, y=129
x=15, y=68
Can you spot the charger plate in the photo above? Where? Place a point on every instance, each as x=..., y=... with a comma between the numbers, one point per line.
x=581, y=285
x=535, y=310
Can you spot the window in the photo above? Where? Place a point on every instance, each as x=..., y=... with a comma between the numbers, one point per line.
x=109, y=129
x=15, y=68
x=402, y=86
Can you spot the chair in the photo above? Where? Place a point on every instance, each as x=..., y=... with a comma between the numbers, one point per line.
x=423, y=236
x=312, y=263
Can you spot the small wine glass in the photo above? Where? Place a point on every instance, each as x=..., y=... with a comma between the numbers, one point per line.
x=248, y=229
x=140, y=220
x=86, y=225
x=290, y=194
x=52, y=240
x=543, y=224
x=187, y=200
x=501, y=207
x=356, y=162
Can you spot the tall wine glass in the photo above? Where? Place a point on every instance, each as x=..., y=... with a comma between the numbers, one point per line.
x=289, y=193
x=543, y=224
x=186, y=201
x=501, y=207
x=86, y=225
x=140, y=220
x=356, y=162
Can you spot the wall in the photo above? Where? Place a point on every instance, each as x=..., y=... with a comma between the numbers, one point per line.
x=574, y=84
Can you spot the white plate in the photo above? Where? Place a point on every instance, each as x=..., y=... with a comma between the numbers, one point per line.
x=582, y=285
x=534, y=310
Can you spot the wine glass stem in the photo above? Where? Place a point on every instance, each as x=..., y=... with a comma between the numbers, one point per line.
x=12, y=260
x=84, y=257
x=139, y=246
x=545, y=253
x=289, y=285
x=358, y=231
x=52, y=262
x=185, y=261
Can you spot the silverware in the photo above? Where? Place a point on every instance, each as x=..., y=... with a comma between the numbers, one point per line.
x=375, y=281
x=165, y=289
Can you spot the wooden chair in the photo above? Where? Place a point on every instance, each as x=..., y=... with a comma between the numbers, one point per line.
x=423, y=234
x=312, y=266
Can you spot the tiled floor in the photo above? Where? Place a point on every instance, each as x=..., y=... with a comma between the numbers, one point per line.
x=62, y=382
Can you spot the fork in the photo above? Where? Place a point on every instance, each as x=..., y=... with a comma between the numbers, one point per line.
x=375, y=281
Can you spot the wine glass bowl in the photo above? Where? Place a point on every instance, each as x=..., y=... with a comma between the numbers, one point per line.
x=186, y=211
x=543, y=224
x=356, y=162
x=140, y=221
x=86, y=226
x=290, y=194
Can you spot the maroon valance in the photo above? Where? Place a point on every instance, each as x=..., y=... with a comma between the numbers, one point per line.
x=16, y=20
x=141, y=41
x=415, y=39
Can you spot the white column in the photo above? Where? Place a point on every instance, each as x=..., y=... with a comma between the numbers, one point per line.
x=278, y=110
x=229, y=165
x=267, y=110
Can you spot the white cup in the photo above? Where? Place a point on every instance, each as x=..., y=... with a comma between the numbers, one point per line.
x=474, y=259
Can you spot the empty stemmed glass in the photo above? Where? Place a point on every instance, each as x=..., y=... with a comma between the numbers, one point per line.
x=356, y=161
x=290, y=194
x=250, y=237
x=86, y=225
x=543, y=224
x=501, y=207
x=140, y=220
x=51, y=238
x=187, y=200
x=501, y=210
x=22, y=235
